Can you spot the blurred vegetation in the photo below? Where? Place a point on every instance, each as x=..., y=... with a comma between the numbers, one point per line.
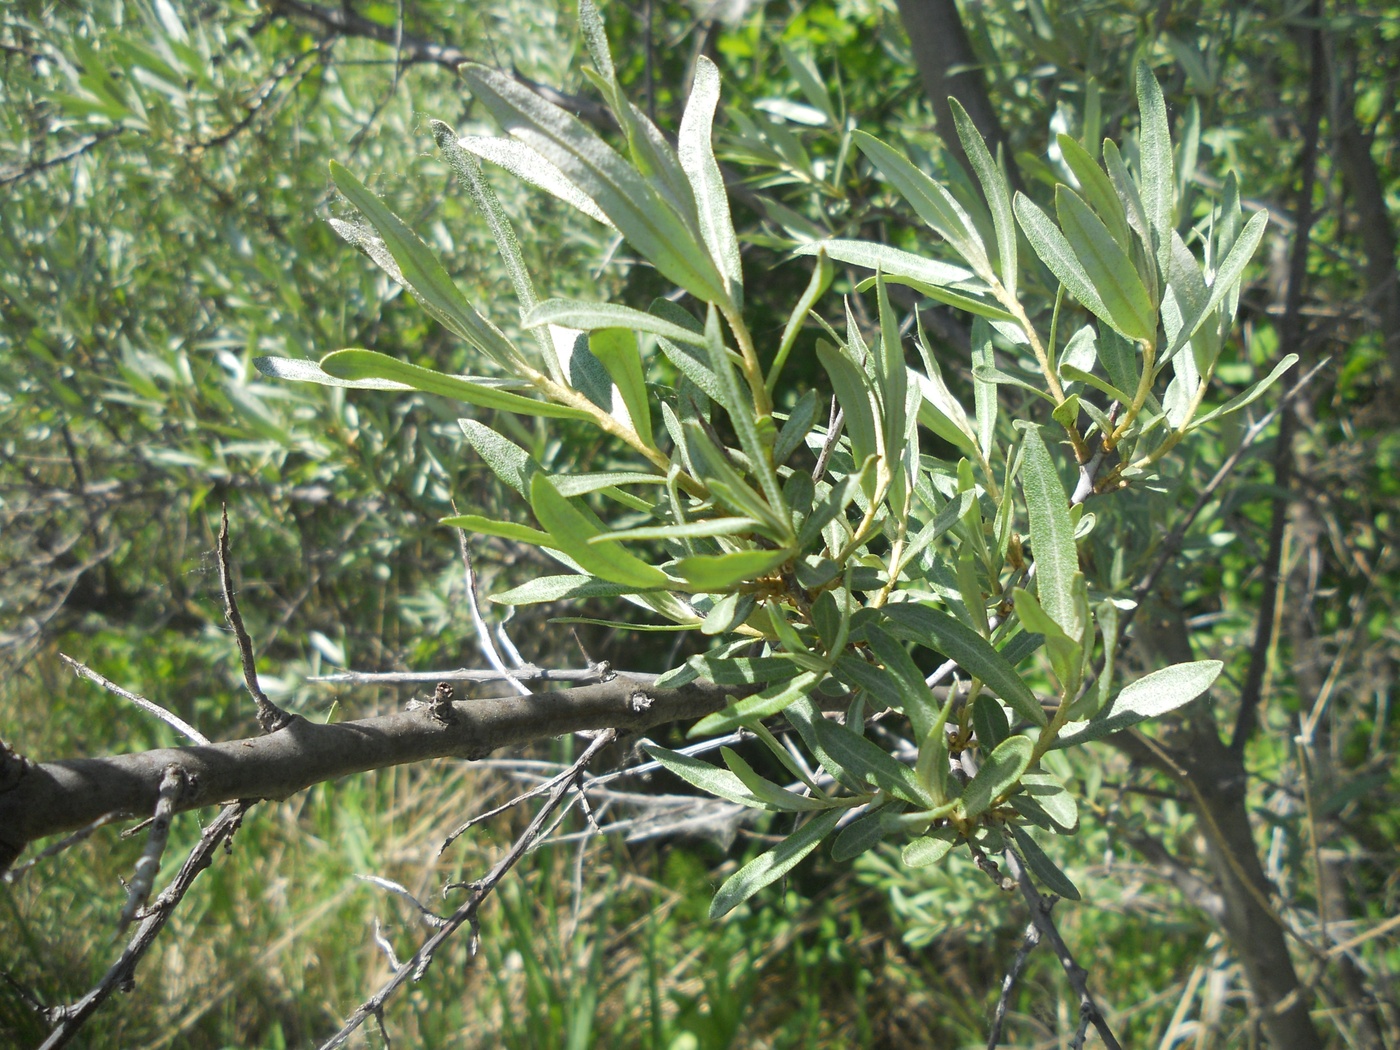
x=162, y=204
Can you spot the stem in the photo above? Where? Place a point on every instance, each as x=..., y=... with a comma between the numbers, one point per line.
x=753, y=373
x=1140, y=396
x=564, y=395
x=1052, y=381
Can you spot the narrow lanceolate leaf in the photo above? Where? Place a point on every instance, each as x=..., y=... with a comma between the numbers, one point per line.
x=1151, y=696
x=1052, y=534
x=422, y=272
x=509, y=530
x=590, y=317
x=860, y=836
x=891, y=370
x=713, y=573
x=893, y=261
x=853, y=394
x=716, y=781
x=777, y=697
x=765, y=790
x=570, y=530
x=533, y=170
x=311, y=372
x=697, y=158
x=1155, y=153
x=1097, y=189
x=1107, y=267
x=984, y=394
x=1240, y=400
x=689, y=531
x=742, y=415
x=1055, y=252
x=974, y=654
x=1045, y=869
x=616, y=349
x=871, y=764
x=744, y=670
x=557, y=588
x=773, y=865
x=1000, y=772
x=370, y=364
x=507, y=460
x=933, y=204
x=650, y=222
x=929, y=849
x=994, y=189
x=1227, y=277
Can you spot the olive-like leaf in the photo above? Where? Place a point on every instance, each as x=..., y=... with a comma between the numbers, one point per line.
x=1129, y=309
x=570, y=530
x=1052, y=534
x=697, y=157
x=1000, y=772
x=370, y=364
x=771, y=866
x=993, y=188
x=1150, y=696
x=933, y=629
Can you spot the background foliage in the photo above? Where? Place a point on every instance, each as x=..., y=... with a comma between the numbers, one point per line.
x=165, y=180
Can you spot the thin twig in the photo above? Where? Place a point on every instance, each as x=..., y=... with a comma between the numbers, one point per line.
x=483, y=633
x=20, y=870
x=270, y=717
x=17, y=174
x=528, y=673
x=414, y=967
x=1018, y=966
x=144, y=877
x=68, y=1020
x=150, y=707
x=1077, y=975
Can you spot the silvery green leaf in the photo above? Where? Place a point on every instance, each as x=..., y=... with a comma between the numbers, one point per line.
x=1052, y=534
x=1001, y=771
x=933, y=204
x=423, y=274
x=775, y=698
x=1043, y=867
x=1098, y=190
x=1240, y=400
x=892, y=261
x=857, y=400
x=765, y=790
x=697, y=159
x=533, y=170
x=1127, y=305
x=712, y=779
x=1151, y=696
x=773, y=865
x=650, y=221
x=558, y=588
x=1155, y=153
x=370, y=364
x=936, y=630
x=984, y=394
x=1055, y=252
x=588, y=317
x=929, y=849
x=861, y=835
x=994, y=189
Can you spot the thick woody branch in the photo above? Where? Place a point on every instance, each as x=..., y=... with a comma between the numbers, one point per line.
x=51, y=798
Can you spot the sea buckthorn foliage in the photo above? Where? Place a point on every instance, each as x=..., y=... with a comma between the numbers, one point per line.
x=891, y=557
